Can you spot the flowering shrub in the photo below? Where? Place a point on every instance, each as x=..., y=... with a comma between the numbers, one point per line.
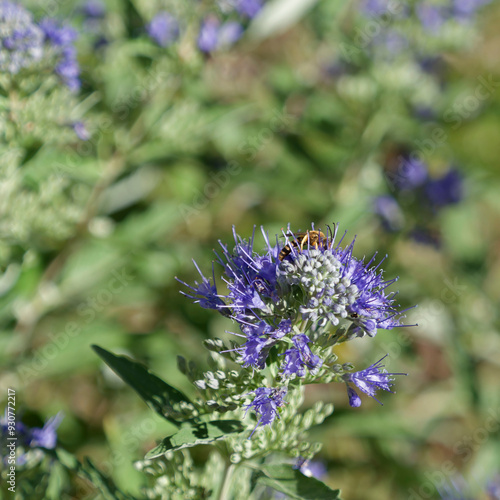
x=293, y=302
x=134, y=133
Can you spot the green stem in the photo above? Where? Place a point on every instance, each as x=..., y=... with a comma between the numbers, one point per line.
x=226, y=485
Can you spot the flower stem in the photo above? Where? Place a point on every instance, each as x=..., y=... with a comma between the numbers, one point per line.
x=226, y=485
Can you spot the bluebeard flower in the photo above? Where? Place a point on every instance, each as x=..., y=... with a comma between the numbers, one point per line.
x=390, y=213
x=248, y=8
x=93, y=9
x=369, y=381
x=314, y=468
x=266, y=403
x=431, y=16
x=22, y=40
x=29, y=438
x=446, y=190
x=229, y=33
x=493, y=488
x=321, y=285
x=205, y=293
x=260, y=339
x=464, y=10
x=319, y=274
x=393, y=42
x=213, y=35
x=208, y=37
x=81, y=131
x=354, y=399
x=163, y=29
x=46, y=437
x=454, y=489
x=61, y=39
x=299, y=357
x=374, y=7
x=335, y=285
x=411, y=174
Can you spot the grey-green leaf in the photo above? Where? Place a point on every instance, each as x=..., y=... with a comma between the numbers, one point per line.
x=286, y=479
x=192, y=434
x=161, y=397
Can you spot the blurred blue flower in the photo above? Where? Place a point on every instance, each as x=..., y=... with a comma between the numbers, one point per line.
x=374, y=7
x=464, y=10
x=411, y=173
x=249, y=8
x=431, y=16
x=28, y=438
x=46, y=437
x=62, y=38
x=390, y=213
x=454, y=489
x=208, y=37
x=493, y=488
x=93, y=9
x=446, y=190
x=369, y=381
x=229, y=33
x=163, y=29
x=266, y=403
x=81, y=131
x=213, y=35
x=22, y=41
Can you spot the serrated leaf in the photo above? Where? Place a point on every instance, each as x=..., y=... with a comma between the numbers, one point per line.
x=286, y=479
x=158, y=395
x=193, y=434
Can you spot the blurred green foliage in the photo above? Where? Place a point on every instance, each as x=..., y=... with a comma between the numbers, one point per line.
x=280, y=128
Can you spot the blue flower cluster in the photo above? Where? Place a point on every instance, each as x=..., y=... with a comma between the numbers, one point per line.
x=25, y=43
x=431, y=15
x=216, y=31
x=458, y=489
x=289, y=296
x=28, y=438
x=420, y=193
x=22, y=40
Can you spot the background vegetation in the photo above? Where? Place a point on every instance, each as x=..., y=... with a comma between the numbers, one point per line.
x=304, y=119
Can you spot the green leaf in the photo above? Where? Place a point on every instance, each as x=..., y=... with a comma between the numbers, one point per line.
x=278, y=16
x=158, y=395
x=284, y=478
x=192, y=434
x=90, y=472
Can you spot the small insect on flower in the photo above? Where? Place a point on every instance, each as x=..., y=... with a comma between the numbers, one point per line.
x=311, y=238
